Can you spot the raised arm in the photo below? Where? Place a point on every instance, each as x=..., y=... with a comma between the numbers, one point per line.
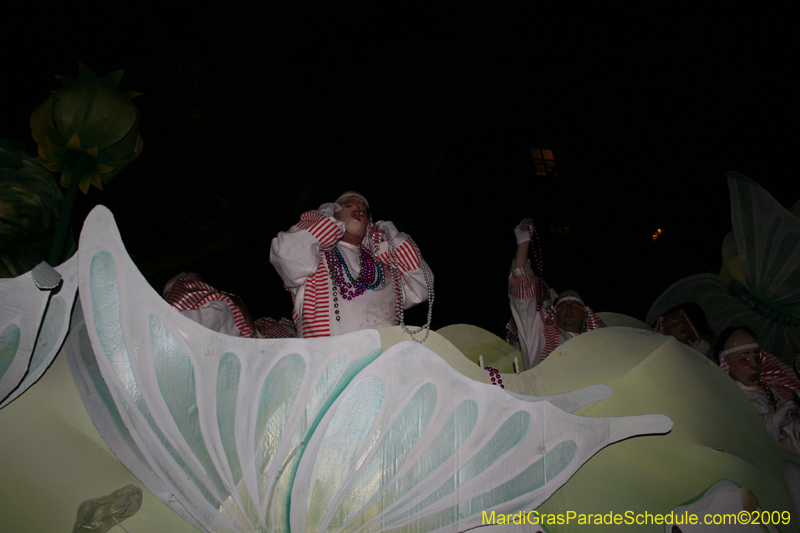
x=296, y=253
x=523, y=288
x=523, y=243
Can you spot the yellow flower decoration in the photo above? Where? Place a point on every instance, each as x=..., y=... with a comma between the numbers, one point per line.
x=88, y=129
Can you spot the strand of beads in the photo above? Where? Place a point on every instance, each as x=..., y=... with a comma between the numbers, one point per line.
x=370, y=269
x=495, y=375
x=336, y=302
x=771, y=399
x=537, y=260
x=399, y=302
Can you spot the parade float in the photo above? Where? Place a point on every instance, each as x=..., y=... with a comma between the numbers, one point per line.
x=143, y=420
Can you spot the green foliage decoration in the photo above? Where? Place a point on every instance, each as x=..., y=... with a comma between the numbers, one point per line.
x=30, y=201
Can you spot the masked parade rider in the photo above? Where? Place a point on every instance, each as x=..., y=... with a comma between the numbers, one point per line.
x=346, y=273
x=540, y=331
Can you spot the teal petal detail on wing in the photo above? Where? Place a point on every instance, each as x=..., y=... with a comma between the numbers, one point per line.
x=447, y=442
x=105, y=304
x=175, y=375
x=507, y=437
x=329, y=386
x=390, y=456
x=227, y=392
x=330, y=383
x=345, y=436
x=533, y=478
x=176, y=381
x=93, y=377
x=278, y=396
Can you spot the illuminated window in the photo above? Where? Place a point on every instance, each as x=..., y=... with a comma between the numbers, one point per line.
x=544, y=162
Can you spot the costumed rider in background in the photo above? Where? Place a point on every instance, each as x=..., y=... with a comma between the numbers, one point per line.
x=541, y=325
x=220, y=311
x=346, y=273
x=767, y=382
x=677, y=324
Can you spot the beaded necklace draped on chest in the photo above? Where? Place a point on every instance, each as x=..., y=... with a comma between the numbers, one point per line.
x=365, y=274
x=358, y=290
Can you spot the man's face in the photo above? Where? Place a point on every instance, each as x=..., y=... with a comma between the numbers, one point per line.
x=678, y=328
x=746, y=363
x=570, y=313
x=353, y=209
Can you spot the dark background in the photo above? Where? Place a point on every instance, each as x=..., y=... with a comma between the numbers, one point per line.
x=251, y=116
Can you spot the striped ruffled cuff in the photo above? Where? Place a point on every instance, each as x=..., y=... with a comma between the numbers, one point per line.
x=323, y=228
x=521, y=284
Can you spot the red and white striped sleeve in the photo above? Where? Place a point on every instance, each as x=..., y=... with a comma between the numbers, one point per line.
x=780, y=375
x=407, y=258
x=522, y=282
x=415, y=287
x=269, y=328
x=324, y=229
x=530, y=322
x=296, y=253
x=316, y=305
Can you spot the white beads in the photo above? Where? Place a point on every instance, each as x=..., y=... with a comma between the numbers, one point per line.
x=398, y=288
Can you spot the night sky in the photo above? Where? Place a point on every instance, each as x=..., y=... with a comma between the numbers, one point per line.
x=250, y=117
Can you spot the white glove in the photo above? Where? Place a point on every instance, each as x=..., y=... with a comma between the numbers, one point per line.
x=521, y=231
x=701, y=345
x=329, y=209
x=387, y=227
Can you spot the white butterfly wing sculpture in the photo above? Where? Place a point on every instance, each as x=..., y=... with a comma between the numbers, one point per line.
x=760, y=283
x=767, y=237
x=34, y=319
x=244, y=435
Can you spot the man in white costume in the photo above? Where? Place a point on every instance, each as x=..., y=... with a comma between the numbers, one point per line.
x=346, y=273
x=678, y=325
x=743, y=359
x=542, y=330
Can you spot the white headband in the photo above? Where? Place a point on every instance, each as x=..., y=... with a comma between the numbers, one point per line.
x=350, y=194
x=733, y=349
x=570, y=299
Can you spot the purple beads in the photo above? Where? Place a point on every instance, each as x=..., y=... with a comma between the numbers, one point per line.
x=495, y=375
x=370, y=270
